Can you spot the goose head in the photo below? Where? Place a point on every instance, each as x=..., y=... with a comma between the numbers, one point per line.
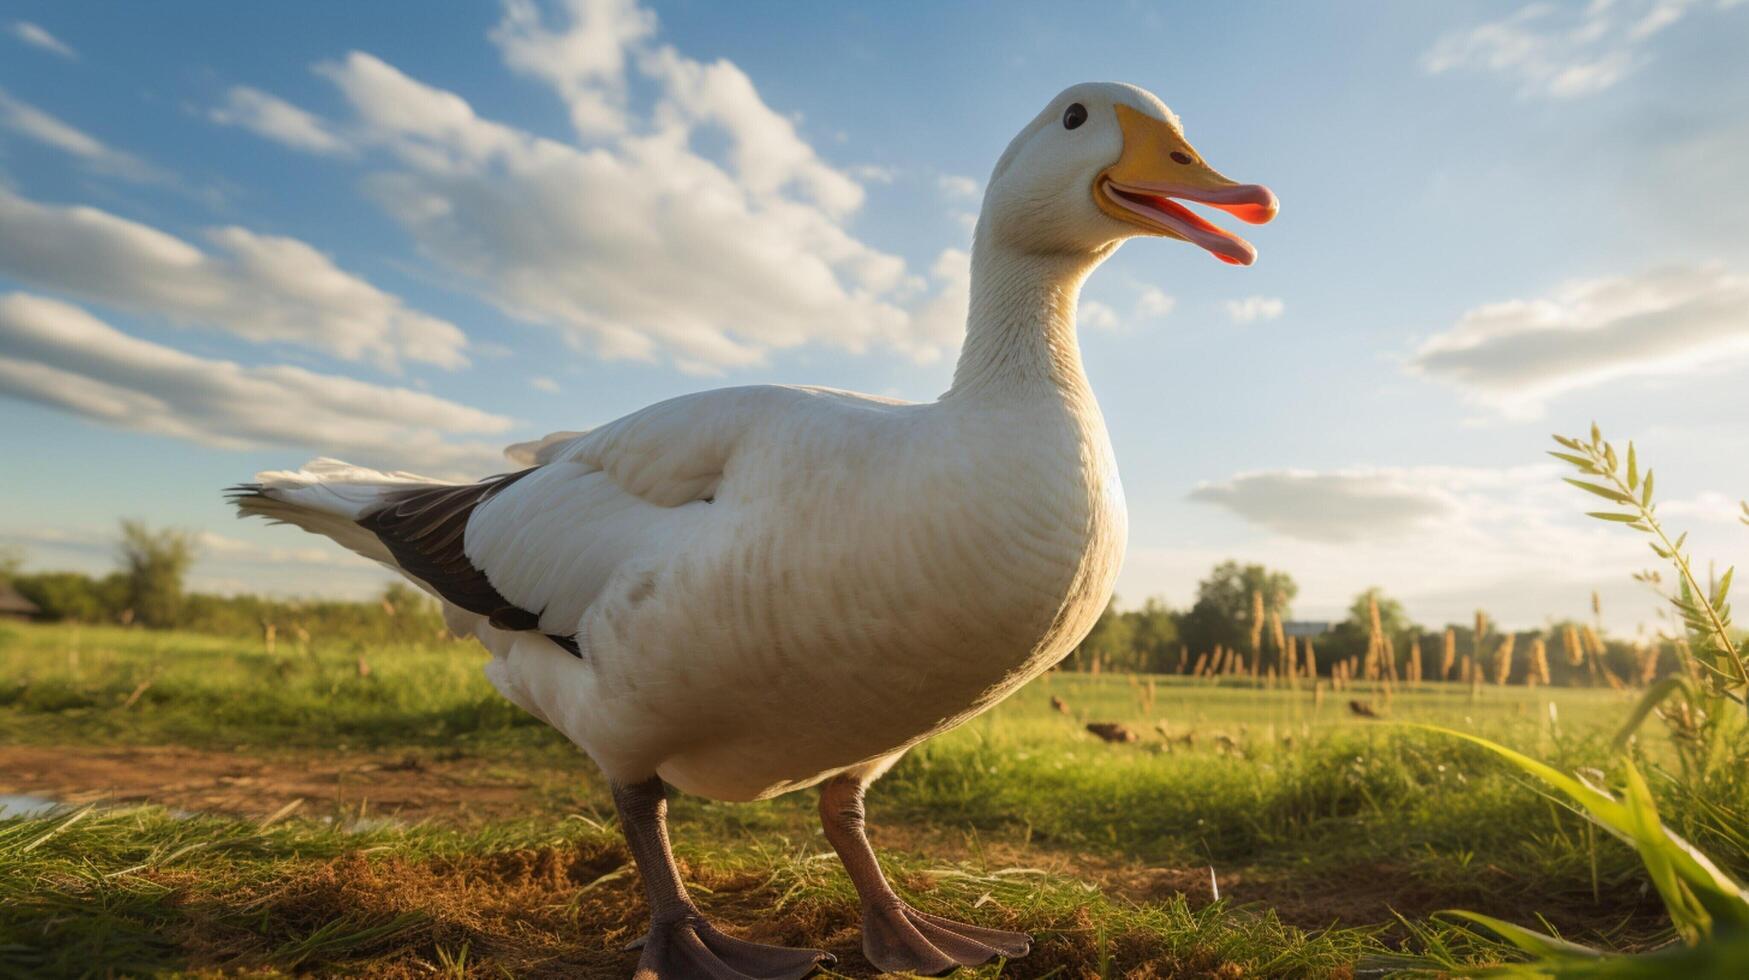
x=1104, y=162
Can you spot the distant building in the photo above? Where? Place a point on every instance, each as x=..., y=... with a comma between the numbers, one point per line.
x=13, y=605
x=1305, y=628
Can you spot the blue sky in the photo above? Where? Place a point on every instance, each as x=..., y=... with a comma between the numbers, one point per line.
x=232, y=238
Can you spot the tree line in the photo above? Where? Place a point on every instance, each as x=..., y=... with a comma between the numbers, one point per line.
x=1242, y=611
x=1237, y=622
x=148, y=589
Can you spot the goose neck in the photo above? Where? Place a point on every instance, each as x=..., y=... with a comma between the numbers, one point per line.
x=1020, y=327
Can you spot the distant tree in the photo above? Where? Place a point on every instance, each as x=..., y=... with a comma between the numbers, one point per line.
x=72, y=595
x=410, y=610
x=1393, y=620
x=1140, y=640
x=1108, y=645
x=154, y=564
x=11, y=560
x=1349, y=637
x=1154, y=633
x=1223, y=610
x=400, y=598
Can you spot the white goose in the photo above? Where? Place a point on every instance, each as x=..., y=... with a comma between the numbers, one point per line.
x=753, y=590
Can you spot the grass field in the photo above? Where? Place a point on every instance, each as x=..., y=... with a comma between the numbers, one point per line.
x=382, y=811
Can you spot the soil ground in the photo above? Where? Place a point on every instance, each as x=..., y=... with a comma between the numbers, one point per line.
x=466, y=791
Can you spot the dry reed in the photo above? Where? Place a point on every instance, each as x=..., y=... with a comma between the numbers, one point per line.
x=1648, y=661
x=1538, y=672
x=1256, y=629
x=1571, y=646
x=1503, y=659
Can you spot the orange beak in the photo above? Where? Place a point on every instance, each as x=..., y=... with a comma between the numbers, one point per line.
x=1157, y=170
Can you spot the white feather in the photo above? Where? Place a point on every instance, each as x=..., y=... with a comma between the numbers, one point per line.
x=771, y=585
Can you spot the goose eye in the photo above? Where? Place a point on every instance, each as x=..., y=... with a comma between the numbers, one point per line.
x=1074, y=116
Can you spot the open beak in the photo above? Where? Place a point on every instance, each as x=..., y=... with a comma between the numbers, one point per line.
x=1157, y=170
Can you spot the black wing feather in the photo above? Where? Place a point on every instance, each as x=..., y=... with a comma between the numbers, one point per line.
x=425, y=529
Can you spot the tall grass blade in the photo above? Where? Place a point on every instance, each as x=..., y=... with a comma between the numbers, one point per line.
x=1535, y=943
x=1650, y=700
x=1699, y=897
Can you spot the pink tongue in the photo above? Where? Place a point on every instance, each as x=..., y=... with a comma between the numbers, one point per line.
x=1229, y=248
x=1233, y=251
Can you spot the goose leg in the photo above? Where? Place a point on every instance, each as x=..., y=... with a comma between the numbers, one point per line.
x=896, y=937
x=681, y=944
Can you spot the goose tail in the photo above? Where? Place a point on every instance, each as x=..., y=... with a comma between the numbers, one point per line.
x=326, y=497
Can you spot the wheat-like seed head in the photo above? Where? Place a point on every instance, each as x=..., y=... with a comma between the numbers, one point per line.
x=1539, y=662
x=1649, y=663
x=1503, y=659
x=1256, y=618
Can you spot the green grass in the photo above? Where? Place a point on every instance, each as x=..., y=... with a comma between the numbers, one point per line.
x=1314, y=816
x=70, y=683
x=138, y=891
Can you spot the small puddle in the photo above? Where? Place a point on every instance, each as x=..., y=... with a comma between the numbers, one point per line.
x=16, y=805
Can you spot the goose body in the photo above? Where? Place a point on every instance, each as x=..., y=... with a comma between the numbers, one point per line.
x=864, y=575
x=746, y=591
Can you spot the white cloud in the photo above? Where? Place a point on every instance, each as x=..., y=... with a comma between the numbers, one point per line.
x=1516, y=355
x=1561, y=51
x=1445, y=540
x=1251, y=309
x=1098, y=316
x=222, y=564
x=1710, y=506
x=262, y=287
x=277, y=120
x=586, y=63
x=1336, y=507
x=954, y=185
x=209, y=545
x=871, y=173
x=545, y=384
x=56, y=354
x=1153, y=303
x=704, y=230
x=34, y=124
x=766, y=153
x=942, y=320
x=39, y=37
x=222, y=547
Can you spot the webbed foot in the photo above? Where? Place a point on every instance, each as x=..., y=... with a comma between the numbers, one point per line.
x=900, y=939
x=690, y=947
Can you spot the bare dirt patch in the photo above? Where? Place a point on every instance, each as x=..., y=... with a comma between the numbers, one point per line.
x=400, y=786
x=551, y=911
x=569, y=911
x=465, y=791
